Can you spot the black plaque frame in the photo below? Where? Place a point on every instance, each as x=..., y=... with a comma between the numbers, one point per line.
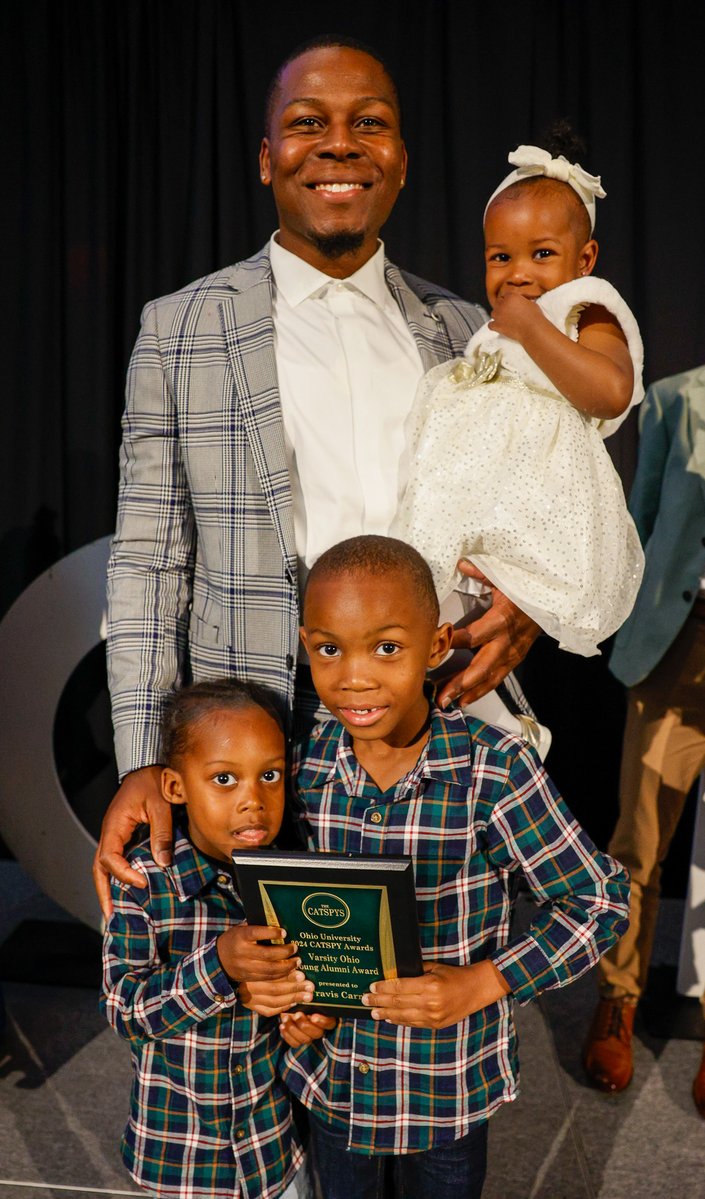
x=356, y=922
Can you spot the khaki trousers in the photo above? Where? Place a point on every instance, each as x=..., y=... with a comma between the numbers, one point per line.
x=662, y=755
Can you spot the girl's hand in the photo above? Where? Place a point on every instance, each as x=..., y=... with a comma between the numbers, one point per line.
x=299, y=1028
x=273, y=997
x=442, y=995
x=244, y=960
x=516, y=316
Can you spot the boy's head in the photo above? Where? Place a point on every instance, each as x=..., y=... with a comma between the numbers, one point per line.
x=370, y=628
x=224, y=753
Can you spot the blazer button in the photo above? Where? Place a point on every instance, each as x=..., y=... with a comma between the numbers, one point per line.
x=290, y=661
x=687, y=596
x=376, y=817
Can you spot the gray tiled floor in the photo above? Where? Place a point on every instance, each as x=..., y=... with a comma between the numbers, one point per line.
x=64, y=1082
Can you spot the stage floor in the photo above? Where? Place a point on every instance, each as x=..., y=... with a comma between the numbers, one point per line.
x=64, y=1081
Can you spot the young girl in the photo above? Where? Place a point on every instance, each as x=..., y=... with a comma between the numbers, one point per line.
x=184, y=974
x=508, y=467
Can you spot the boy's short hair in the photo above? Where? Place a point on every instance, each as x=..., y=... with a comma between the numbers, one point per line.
x=376, y=555
x=188, y=706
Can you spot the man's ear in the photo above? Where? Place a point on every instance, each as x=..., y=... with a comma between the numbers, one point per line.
x=440, y=646
x=173, y=786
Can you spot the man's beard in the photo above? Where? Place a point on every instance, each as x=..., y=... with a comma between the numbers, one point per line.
x=336, y=245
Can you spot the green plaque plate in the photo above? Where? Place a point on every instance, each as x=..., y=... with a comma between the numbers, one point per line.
x=353, y=918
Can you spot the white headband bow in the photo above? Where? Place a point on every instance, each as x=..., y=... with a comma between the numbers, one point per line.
x=532, y=160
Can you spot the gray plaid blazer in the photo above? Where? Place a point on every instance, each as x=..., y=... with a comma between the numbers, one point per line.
x=202, y=574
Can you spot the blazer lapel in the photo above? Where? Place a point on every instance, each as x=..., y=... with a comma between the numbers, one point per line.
x=428, y=330
x=248, y=330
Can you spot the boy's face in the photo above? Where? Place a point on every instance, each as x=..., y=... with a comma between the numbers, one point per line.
x=370, y=640
x=531, y=245
x=232, y=781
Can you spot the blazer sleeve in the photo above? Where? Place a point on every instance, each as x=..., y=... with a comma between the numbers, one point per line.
x=654, y=446
x=150, y=571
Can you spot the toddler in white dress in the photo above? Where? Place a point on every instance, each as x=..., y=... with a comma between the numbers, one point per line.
x=507, y=463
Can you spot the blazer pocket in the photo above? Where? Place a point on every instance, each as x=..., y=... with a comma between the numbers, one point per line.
x=206, y=622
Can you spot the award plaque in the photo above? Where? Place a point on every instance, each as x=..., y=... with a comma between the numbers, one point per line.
x=353, y=918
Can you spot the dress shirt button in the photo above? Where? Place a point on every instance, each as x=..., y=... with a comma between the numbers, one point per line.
x=219, y=998
x=364, y=1067
x=687, y=596
x=240, y=1133
x=376, y=817
x=239, y=1069
x=223, y=880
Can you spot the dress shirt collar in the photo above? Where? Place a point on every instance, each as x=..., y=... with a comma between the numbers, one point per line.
x=192, y=872
x=297, y=280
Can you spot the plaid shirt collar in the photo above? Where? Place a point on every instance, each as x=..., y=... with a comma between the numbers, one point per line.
x=192, y=873
x=446, y=757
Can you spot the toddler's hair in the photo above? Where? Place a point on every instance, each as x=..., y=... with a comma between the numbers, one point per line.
x=189, y=705
x=376, y=555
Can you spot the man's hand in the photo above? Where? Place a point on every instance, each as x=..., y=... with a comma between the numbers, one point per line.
x=299, y=1028
x=138, y=801
x=502, y=637
x=442, y=995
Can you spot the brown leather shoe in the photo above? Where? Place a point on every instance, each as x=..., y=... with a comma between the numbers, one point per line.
x=699, y=1087
x=607, y=1053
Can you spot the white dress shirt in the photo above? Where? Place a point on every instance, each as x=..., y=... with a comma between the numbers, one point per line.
x=348, y=370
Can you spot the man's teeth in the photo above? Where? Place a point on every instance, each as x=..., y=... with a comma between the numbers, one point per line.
x=339, y=187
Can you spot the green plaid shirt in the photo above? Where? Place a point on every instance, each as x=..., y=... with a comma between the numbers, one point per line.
x=477, y=810
x=208, y=1117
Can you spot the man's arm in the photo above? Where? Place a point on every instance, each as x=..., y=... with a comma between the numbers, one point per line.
x=502, y=637
x=150, y=576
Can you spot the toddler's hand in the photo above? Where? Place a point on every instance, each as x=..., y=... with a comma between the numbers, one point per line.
x=299, y=1028
x=244, y=959
x=516, y=316
x=273, y=997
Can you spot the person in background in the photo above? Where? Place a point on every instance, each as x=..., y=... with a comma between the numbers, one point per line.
x=659, y=654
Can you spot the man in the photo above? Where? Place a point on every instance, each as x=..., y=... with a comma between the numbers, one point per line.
x=264, y=422
x=659, y=654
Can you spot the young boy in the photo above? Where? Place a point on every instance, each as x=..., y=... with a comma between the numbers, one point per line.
x=184, y=975
x=393, y=774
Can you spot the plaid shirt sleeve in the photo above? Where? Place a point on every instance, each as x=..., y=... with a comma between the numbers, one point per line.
x=584, y=894
x=145, y=999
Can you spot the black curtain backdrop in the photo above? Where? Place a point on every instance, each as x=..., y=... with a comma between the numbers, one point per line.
x=130, y=139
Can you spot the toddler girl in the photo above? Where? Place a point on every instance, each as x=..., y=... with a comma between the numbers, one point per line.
x=508, y=467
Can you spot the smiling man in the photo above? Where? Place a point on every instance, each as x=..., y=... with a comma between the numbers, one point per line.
x=265, y=422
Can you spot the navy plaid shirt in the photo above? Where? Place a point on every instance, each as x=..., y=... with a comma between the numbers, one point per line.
x=476, y=810
x=209, y=1117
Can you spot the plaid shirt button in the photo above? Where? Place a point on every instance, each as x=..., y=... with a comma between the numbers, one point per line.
x=364, y=1067
x=223, y=880
x=376, y=817
x=219, y=998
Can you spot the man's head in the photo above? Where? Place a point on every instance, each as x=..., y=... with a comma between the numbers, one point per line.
x=371, y=632
x=333, y=153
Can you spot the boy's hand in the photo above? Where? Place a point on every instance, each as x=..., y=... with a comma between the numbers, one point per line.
x=299, y=1028
x=442, y=995
x=244, y=960
x=272, y=998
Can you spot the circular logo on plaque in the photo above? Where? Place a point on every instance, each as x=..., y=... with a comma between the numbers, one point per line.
x=325, y=910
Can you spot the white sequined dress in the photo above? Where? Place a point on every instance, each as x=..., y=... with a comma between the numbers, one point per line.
x=505, y=472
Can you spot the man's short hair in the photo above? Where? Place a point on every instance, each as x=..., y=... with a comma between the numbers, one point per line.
x=322, y=42
x=376, y=555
